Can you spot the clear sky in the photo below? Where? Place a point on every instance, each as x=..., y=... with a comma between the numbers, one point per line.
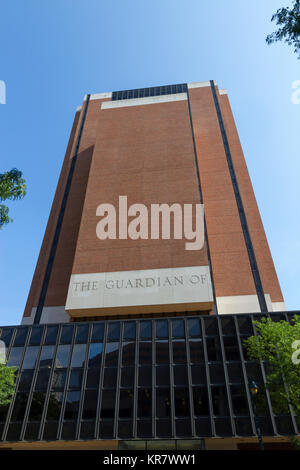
x=53, y=52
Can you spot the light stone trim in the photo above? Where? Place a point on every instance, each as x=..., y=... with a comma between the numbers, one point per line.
x=200, y=84
x=242, y=304
x=279, y=306
x=78, y=109
x=49, y=315
x=222, y=92
x=142, y=289
x=143, y=101
x=99, y=96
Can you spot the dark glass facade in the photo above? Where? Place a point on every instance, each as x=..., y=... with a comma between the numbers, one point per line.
x=165, y=378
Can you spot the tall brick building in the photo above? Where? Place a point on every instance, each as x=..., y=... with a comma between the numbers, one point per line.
x=139, y=343
x=171, y=144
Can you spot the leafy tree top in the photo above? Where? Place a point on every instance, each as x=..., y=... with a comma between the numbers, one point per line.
x=278, y=343
x=12, y=187
x=288, y=20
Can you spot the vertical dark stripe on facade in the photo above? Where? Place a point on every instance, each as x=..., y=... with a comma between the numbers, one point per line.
x=40, y=306
x=243, y=219
x=201, y=200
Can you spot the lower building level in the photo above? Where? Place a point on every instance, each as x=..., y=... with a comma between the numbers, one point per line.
x=161, y=383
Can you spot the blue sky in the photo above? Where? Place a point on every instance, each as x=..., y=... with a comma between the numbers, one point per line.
x=56, y=51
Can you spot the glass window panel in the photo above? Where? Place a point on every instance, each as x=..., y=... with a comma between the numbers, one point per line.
x=231, y=348
x=182, y=401
x=245, y=325
x=62, y=356
x=223, y=426
x=30, y=357
x=220, y=401
x=162, y=352
x=6, y=335
x=113, y=331
x=146, y=329
x=93, y=377
x=178, y=329
x=203, y=427
x=32, y=431
x=26, y=380
x=15, y=356
x=239, y=400
x=129, y=330
x=76, y=378
x=90, y=404
x=59, y=379
x=235, y=372
x=163, y=402
x=179, y=352
x=72, y=405
x=200, y=399
x=211, y=326
x=194, y=327
x=180, y=375
x=19, y=407
x=111, y=354
x=95, y=354
x=51, y=335
x=47, y=355
x=82, y=333
x=54, y=405
x=243, y=427
x=36, y=336
x=87, y=430
x=144, y=430
x=196, y=350
x=163, y=430
x=20, y=337
x=144, y=403
x=216, y=372
x=98, y=332
x=145, y=352
x=183, y=427
x=78, y=355
x=125, y=429
x=213, y=349
x=37, y=406
x=14, y=431
x=128, y=353
x=67, y=334
x=68, y=431
x=145, y=376
x=162, y=375
x=110, y=377
x=198, y=375
x=127, y=376
x=108, y=404
x=42, y=380
x=126, y=403
x=162, y=330
x=50, y=431
x=228, y=326
x=106, y=429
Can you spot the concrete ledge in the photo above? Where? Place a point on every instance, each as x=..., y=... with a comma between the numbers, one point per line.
x=143, y=101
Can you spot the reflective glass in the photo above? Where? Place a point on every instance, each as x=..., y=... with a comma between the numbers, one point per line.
x=95, y=354
x=30, y=357
x=62, y=356
x=78, y=355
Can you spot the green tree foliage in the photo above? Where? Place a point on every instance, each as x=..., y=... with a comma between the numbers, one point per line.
x=278, y=343
x=12, y=187
x=7, y=383
x=288, y=20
